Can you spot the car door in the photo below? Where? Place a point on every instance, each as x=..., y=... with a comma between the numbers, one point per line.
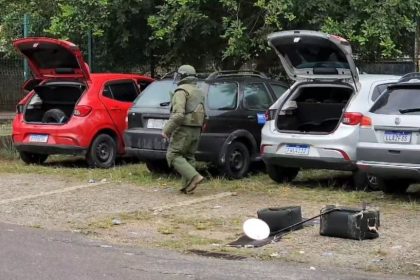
x=255, y=102
x=118, y=96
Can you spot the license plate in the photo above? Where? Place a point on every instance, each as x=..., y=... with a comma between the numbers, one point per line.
x=397, y=137
x=156, y=123
x=40, y=138
x=297, y=149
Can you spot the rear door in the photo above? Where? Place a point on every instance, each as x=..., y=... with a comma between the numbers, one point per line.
x=118, y=96
x=256, y=101
x=309, y=55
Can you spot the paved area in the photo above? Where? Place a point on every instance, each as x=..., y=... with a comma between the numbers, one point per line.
x=29, y=253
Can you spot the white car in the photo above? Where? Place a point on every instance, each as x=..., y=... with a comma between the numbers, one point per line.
x=315, y=124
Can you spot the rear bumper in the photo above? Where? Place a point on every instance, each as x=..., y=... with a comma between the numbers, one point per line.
x=310, y=163
x=390, y=170
x=149, y=144
x=50, y=149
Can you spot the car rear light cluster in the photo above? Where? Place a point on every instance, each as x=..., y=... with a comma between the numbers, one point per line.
x=82, y=110
x=270, y=114
x=352, y=118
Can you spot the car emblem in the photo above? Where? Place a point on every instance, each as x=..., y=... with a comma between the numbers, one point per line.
x=397, y=120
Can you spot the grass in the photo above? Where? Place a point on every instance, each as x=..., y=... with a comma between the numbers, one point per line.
x=323, y=187
x=5, y=128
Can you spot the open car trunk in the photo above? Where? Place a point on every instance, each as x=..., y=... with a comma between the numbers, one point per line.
x=53, y=102
x=314, y=109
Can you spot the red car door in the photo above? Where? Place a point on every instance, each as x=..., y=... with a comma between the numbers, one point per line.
x=118, y=97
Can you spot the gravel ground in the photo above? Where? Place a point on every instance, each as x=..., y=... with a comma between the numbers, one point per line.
x=124, y=214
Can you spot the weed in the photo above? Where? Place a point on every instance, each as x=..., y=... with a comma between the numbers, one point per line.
x=7, y=150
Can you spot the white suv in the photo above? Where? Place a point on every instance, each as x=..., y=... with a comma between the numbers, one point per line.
x=315, y=124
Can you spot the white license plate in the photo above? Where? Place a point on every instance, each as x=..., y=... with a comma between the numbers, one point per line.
x=297, y=149
x=397, y=137
x=156, y=123
x=40, y=138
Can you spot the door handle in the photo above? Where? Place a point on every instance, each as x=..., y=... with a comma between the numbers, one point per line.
x=252, y=117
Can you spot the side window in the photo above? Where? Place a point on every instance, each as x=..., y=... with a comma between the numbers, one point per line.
x=256, y=97
x=143, y=84
x=278, y=89
x=122, y=91
x=107, y=92
x=222, y=96
x=378, y=90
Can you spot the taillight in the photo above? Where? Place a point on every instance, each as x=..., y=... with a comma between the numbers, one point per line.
x=366, y=122
x=262, y=147
x=204, y=127
x=356, y=119
x=82, y=110
x=352, y=118
x=270, y=114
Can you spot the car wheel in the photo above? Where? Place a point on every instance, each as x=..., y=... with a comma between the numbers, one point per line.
x=32, y=158
x=102, y=152
x=365, y=182
x=158, y=166
x=237, y=161
x=393, y=186
x=281, y=174
x=54, y=116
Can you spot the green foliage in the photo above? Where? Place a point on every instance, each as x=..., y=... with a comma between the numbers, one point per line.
x=222, y=33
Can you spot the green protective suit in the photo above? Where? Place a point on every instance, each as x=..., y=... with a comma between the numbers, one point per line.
x=184, y=128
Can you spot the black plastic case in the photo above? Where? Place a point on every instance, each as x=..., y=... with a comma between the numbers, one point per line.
x=349, y=223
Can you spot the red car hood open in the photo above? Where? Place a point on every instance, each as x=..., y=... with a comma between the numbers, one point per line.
x=53, y=58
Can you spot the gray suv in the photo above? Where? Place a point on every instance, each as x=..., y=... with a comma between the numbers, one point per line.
x=389, y=144
x=315, y=124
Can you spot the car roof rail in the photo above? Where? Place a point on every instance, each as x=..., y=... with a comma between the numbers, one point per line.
x=410, y=76
x=172, y=75
x=226, y=73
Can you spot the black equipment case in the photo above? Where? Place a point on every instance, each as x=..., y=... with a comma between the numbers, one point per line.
x=349, y=223
x=278, y=218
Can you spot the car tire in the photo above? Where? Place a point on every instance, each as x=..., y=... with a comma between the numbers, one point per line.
x=33, y=158
x=54, y=116
x=158, y=166
x=281, y=174
x=393, y=186
x=102, y=152
x=237, y=160
x=363, y=181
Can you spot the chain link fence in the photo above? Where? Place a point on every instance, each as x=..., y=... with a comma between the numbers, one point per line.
x=11, y=81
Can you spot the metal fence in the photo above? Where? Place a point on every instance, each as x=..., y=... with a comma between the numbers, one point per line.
x=387, y=67
x=11, y=80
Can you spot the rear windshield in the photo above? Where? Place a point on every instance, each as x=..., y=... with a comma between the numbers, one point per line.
x=398, y=101
x=157, y=93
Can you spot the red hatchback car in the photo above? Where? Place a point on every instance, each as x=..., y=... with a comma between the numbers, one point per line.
x=69, y=110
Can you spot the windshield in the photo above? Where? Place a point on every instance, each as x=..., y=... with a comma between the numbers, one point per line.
x=157, y=93
x=397, y=101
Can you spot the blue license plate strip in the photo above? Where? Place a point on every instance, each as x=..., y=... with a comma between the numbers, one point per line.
x=297, y=149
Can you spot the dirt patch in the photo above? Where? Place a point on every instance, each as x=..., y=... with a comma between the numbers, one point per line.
x=206, y=221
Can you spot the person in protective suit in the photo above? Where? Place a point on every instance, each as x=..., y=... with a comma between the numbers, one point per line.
x=184, y=128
